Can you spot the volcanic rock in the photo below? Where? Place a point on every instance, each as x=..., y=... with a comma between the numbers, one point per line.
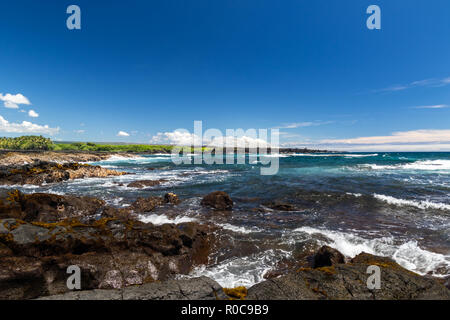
x=218, y=200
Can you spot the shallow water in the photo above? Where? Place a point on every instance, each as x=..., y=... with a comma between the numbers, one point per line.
x=390, y=204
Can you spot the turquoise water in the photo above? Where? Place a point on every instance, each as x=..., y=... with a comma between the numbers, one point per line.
x=390, y=204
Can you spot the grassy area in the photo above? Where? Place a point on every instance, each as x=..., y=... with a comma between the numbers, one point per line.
x=41, y=143
x=89, y=146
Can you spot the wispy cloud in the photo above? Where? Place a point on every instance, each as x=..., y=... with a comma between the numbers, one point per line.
x=420, y=83
x=414, y=140
x=437, y=106
x=294, y=125
x=25, y=127
x=415, y=136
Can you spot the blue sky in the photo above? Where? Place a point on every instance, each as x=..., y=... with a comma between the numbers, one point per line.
x=310, y=68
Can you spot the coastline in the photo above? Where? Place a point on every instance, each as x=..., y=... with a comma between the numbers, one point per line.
x=38, y=228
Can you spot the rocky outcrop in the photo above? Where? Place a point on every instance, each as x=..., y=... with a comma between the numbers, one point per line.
x=40, y=172
x=218, y=200
x=171, y=198
x=279, y=205
x=349, y=281
x=44, y=207
x=326, y=257
x=111, y=253
x=22, y=158
x=145, y=183
x=201, y=288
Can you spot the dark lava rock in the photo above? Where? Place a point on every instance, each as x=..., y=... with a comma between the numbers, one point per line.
x=111, y=254
x=218, y=200
x=327, y=256
x=280, y=206
x=145, y=183
x=40, y=172
x=201, y=288
x=349, y=281
x=171, y=198
x=46, y=207
x=147, y=204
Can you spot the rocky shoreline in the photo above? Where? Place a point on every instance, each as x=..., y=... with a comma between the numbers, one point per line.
x=121, y=258
x=41, y=235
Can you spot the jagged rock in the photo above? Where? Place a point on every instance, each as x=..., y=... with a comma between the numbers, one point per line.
x=40, y=172
x=349, y=281
x=111, y=254
x=147, y=204
x=21, y=158
x=218, y=200
x=327, y=256
x=171, y=198
x=145, y=183
x=281, y=206
x=201, y=288
x=46, y=207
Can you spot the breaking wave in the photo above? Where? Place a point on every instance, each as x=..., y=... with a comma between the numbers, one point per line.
x=421, y=204
x=408, y=254
x=163, y=219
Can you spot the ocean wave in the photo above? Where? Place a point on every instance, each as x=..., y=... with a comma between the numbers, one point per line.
x=349, y=155
x=426, y=165
x=421, y=204
x=131, y=160
x=237, y=229
x=117, y=158
x=241, y=271
x=163, y=219
x=408, y=254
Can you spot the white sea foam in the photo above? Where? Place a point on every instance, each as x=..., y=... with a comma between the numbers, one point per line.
x=421, y=204
x=354, y=194
x=117, y=158
x=237, y=229
x=426, y=165
x=241, y=271
x=163, y=219
x=346, y=155
x=407, y=254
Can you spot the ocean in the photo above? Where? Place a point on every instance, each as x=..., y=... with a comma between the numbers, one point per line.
x=388, y=204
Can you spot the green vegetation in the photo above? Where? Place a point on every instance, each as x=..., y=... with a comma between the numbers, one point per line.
x=89, y=146
x=26, y=143
x=41, y=143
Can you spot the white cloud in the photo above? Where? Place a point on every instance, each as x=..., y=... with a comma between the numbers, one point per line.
x=25, y=127
x=416, y=136
x=12, y=101
x=437, y=106
x=177, y=137
x=392, y=147
x=79, y=131
x=414, y=140
x=123, y=134
x=10, y=105
x=185, y=138
x=33, y=114
x=242, y=141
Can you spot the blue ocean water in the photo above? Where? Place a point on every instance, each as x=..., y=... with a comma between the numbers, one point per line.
x=390, y=204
